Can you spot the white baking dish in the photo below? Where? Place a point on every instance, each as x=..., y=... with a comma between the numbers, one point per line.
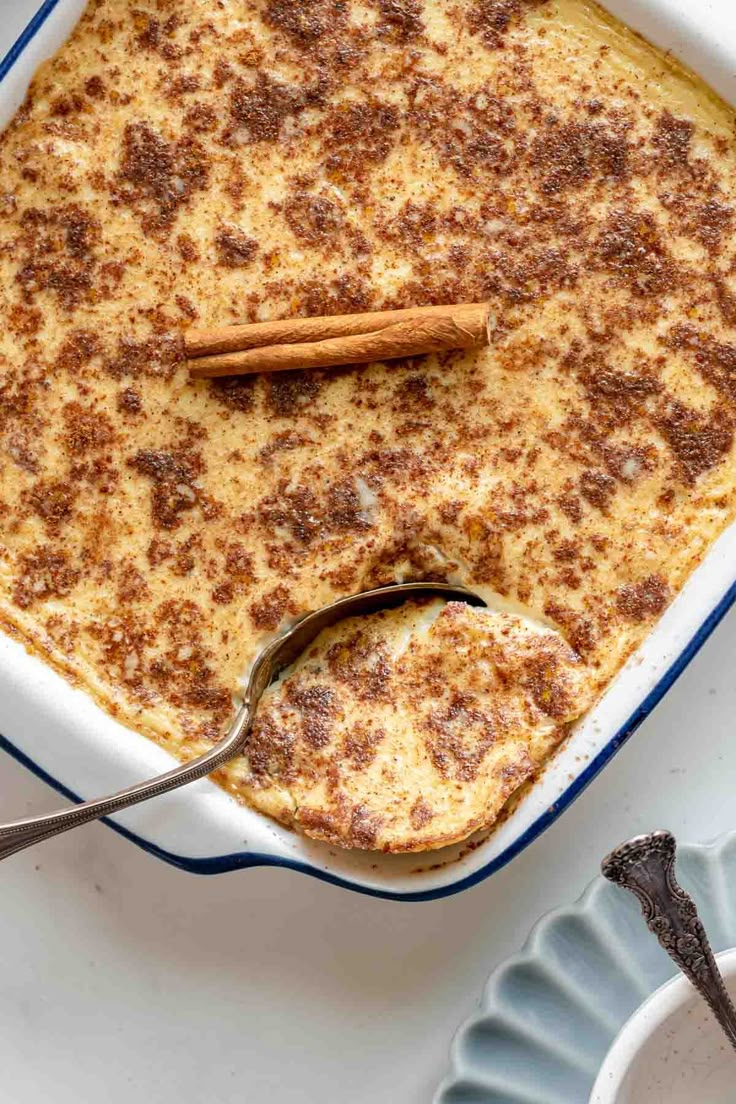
x=62, y=735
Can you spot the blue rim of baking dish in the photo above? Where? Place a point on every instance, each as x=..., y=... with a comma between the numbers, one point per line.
x=221, y=864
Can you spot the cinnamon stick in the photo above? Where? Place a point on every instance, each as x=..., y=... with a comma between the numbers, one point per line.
x=227, y=339
x=426, y=330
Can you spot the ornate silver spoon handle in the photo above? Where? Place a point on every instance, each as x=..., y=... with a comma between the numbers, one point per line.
x=645, y=865
x=19, y=834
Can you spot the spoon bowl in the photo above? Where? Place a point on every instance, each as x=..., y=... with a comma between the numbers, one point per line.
x=279, y=654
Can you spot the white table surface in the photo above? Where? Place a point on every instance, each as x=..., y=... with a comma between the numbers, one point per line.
x=122, y=979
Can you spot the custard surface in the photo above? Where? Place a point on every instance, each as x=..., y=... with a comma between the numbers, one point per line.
x=408, y=730
x=200, y=163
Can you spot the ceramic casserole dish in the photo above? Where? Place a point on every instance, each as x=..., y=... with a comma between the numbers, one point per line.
x=61, y=734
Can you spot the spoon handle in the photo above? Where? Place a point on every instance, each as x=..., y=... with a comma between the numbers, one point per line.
x=19, y=834
x=645, y=865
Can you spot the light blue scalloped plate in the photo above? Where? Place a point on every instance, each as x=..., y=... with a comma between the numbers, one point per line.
x=549, y=1015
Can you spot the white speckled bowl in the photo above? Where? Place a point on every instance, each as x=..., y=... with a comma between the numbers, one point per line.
x=60, y=733
x=550, y=1016
x=671, y=1050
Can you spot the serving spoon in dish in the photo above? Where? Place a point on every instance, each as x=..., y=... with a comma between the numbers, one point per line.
x=279, y=654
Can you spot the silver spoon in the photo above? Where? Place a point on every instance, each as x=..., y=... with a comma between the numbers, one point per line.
x=645, y=865
x=274, y=658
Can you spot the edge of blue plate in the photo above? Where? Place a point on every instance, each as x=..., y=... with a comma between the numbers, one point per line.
x=467, y=1083
x=220, y=864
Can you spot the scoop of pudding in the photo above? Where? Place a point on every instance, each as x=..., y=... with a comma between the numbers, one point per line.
x=409, y=729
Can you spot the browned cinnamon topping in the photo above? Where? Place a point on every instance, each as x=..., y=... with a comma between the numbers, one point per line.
x=170, y=168
x=469, y=705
